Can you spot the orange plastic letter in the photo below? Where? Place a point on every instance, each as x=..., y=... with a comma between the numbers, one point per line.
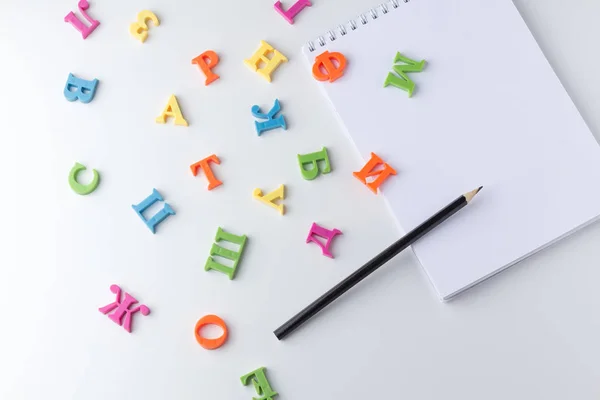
x=205, y=166
x=207, y=61
x=329, y=66
x=369, y=171
x=210, y=344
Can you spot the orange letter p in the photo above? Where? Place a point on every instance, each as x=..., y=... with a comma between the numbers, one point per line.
x=207, y=61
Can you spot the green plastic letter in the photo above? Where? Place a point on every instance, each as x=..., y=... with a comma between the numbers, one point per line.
x=402, y=81
x=78, y=187
x=261, y=384
x=217, y=250
x=312, y=158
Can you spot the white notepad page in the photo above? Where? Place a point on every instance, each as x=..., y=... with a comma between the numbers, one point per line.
x=487, y=110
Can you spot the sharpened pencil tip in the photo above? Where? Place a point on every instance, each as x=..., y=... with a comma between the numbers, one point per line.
x=469, y=196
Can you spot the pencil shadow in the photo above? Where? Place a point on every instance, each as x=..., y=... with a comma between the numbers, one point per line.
x=374, y=283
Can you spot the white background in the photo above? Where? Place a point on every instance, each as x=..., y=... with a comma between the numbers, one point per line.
x=532, y=332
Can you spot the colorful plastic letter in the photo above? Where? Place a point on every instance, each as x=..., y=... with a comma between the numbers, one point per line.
x=123, y=308
x=402, y=81
x=312, y=158
x=369, y=171
x=329, y=66
x=159, y=216
x=80, y=26
x=315, y=231
x=172, y=110
x=293, y=10
x=261, y=384
x=269, y=198
x=207, y=61
x=271, y=122
x=217, y=250
x=139, y=29
x=270, y=64
x=78, y=187
x=210, y=344
x=205, y=166
x=80, y=89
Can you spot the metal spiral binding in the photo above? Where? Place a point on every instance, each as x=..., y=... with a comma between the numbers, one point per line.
x=362, y=19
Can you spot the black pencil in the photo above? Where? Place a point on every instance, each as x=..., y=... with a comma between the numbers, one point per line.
x=383, y=257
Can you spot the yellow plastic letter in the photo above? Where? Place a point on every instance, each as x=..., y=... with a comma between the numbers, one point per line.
x=269, y=198
x=172, y=110
x=139, y=29
x=270, y=64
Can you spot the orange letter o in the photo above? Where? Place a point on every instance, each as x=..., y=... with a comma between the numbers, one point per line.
x=210, y=344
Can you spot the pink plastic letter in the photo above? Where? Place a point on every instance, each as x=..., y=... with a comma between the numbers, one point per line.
x=122, y=308
x=316, y=230
x=293, y=10
x=80, y=26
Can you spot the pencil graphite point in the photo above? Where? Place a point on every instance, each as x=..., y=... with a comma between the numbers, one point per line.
x=469, y=196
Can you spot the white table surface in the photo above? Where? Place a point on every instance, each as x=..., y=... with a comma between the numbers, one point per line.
x=532, y=332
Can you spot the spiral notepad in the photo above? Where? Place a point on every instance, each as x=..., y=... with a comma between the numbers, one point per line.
x=487, y=109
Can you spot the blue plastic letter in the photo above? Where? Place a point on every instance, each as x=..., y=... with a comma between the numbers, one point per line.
x=83, y=90
x=271, y=122
x=159, y=216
